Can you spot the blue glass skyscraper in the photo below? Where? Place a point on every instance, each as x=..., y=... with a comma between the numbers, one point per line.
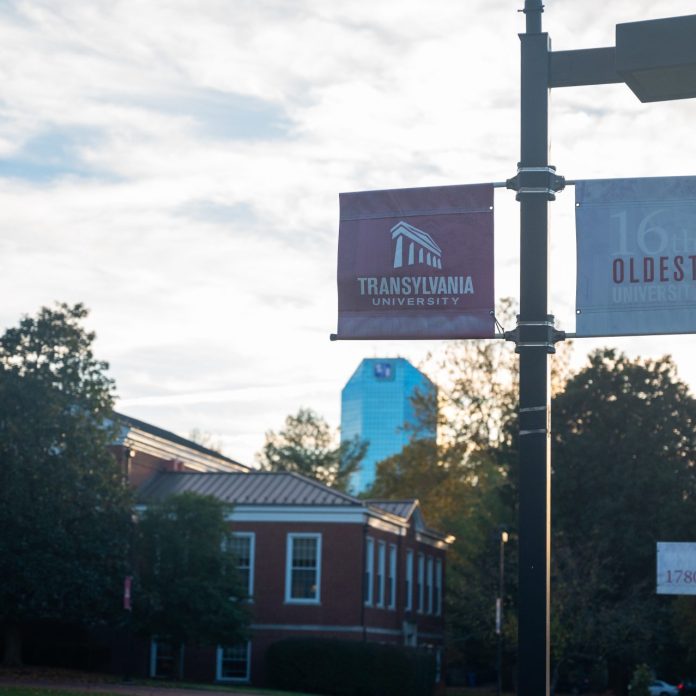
x=376, y=406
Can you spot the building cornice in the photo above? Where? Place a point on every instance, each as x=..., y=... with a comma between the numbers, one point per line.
x=434, y=540
x=316, y=514
x=148, y=443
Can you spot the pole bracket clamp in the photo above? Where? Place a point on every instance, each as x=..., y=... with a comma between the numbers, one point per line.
x=536, y=181
x=535, y=334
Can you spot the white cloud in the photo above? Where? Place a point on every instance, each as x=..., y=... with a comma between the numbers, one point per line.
x=176, y=166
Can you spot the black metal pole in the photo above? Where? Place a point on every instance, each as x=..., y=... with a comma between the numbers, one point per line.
x=500, y=607
x=535, y=458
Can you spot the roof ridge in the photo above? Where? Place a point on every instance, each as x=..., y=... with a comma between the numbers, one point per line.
x=383, y=504
x=207, y=473
x=319, y=484
x=282, y=487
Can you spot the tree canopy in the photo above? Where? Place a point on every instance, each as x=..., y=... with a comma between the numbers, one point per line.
x=187, y=586
x=464, y=482
x=624, y=477
x=64, y=506
x=307, y=445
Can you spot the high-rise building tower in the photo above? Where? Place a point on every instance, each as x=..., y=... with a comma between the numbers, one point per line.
x=376, y=406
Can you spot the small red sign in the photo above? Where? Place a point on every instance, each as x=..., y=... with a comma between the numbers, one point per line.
x=127, y=586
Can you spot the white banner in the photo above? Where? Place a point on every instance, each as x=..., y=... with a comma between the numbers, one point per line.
x=636, y=261
x=676, y=568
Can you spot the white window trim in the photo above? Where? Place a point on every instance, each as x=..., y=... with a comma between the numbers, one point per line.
x=429, y=585
x=288, y=567
x=252, y=558
x=392, y=576
x=218, y=667
x=421, y=583
x=369, y=578
x=409, y=580
x=153, y=658
x=381, y=572
x=438, y=584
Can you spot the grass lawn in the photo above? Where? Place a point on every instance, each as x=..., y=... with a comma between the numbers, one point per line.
x=214, y=688
x=43, y=691
x=64, y=682
x=52, y=691
x=7, y=690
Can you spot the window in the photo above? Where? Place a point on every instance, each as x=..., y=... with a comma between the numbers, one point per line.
x=409, y=580
x=369, y=569
x=381, y=566
x=233, y=662
x=303, y=569
x=429, y=586
x=242, y=545
x=438, y=587
x=421, y=578
x=163, y=659
x=436, y=652
x=391, y=584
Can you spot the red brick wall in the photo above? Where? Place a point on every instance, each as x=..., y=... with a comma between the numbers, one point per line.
x=142, y=467
x=341, y=594
x=341, y=605
x=341, y=572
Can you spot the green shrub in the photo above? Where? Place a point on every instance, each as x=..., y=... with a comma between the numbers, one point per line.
x=349, y=668
x=641, y=681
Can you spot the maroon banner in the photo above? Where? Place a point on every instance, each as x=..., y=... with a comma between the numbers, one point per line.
x=127, y=588
x=416, y=263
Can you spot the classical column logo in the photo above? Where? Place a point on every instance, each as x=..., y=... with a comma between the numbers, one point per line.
x=414, y=247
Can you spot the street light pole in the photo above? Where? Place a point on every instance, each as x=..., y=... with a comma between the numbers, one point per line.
x=657, y=59
x=535, y=189
x=499, y=609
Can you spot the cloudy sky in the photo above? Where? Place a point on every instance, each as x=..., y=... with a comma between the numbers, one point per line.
x=176, y=164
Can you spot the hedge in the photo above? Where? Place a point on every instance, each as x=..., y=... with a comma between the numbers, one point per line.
x=349, y=668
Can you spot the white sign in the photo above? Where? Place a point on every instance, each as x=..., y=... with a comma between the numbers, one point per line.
x=676, y=568
x=636, y=241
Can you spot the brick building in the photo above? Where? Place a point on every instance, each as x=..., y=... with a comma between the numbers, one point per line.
x=317, y=562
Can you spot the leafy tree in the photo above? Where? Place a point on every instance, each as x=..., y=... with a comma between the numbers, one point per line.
x=684, y=626
x=640, y=683
x=464, y=483
x=64, y=505
x=187, y=587
x=624, y=477
x=576, y=579
x=308, y=446
x=476, y=395
x=205, y=439
x=472, y=509
x=477, y=399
